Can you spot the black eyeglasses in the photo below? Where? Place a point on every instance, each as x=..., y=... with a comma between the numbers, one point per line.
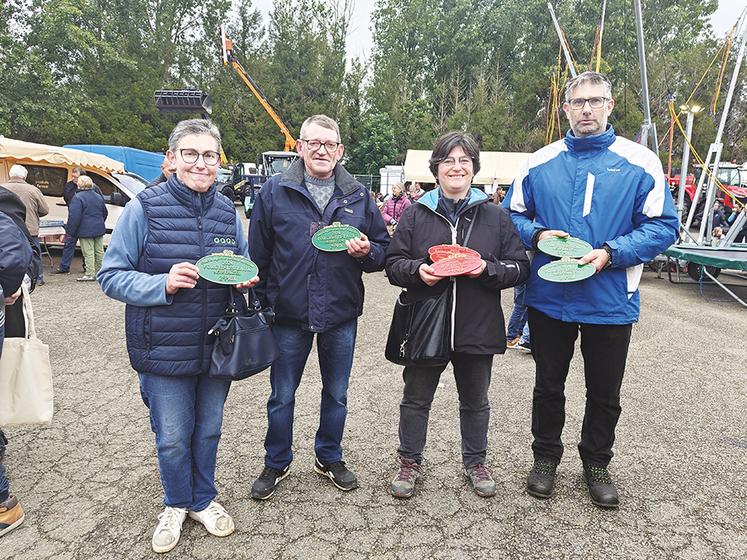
x=191, y=156
x=314, y=145
x=594, y=102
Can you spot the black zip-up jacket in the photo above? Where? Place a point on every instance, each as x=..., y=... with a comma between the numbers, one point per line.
x=478, y=321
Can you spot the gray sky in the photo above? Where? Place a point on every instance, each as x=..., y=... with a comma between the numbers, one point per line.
x=360, y=39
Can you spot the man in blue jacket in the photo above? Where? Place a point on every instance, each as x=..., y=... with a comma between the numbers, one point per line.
x=610, y=192
x=312, y=292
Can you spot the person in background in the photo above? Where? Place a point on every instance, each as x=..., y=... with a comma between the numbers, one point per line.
x=68, y=193
x=415, y=192
x=150, y=265
x=16, y=255
x=33, y=200
x=394, y=207
x=86, y=221
x=443, y=216
x=167, y=170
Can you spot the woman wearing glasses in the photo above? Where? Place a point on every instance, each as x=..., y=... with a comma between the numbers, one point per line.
x=445, y=215
x=150, y=265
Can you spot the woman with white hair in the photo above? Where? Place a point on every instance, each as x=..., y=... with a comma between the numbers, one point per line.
x=86, y=221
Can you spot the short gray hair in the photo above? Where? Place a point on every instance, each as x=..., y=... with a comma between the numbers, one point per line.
x=18, y=171
x=190, y=127
x=591, y=77
x=320, y=120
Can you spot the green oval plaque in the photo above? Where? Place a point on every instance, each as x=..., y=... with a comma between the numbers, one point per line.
x=564, y=247
x=332, y=238
x=566, y=271
x=226, y=268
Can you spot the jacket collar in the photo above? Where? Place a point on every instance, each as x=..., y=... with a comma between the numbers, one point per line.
x=187, y=196
x=293, y=176
x=430, y=199
x=578, y=145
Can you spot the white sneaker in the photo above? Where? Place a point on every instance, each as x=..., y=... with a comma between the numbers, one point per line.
x=215, y=519
x=169, y=529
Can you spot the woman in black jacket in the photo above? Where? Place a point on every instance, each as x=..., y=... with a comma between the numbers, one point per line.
x=443, y=216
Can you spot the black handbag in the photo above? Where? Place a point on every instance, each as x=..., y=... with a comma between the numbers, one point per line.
x=244, y=344
x=420, y=333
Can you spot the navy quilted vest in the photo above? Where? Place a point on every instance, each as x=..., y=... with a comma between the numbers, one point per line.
x=183, y=225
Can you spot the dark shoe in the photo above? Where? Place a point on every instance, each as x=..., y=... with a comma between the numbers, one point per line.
x=601, y=488
x=481, y=479
x=60, y=271
x=524, y=347
x=338, y=473
x=541, y=479
x=403, y=485
x=268, y=481
x=11, y=515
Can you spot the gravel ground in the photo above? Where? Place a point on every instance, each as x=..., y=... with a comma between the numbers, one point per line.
x=90, y=485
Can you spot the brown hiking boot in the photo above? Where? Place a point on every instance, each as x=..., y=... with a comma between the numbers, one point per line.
x=403, y=485
x=481, y=479
x=11, y=515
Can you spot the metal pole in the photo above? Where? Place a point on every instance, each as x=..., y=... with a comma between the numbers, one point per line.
x=567, y=54
x=705, y=232
x=685, y=163
x=601, y=32
x=648, y=130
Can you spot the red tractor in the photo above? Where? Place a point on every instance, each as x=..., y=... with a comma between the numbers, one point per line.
x=731, y=176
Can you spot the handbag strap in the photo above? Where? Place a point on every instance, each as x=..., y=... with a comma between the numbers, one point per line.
x=253, y=300
x=28, y=312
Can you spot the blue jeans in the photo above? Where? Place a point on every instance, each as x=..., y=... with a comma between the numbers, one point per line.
x=37, y=243
x=335, y=350
x=4, y=486
x=186, y=414
x=518, y=315
x=68, y=252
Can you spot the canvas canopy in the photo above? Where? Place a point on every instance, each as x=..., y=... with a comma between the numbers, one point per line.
x=19, y=151
x=495, y=167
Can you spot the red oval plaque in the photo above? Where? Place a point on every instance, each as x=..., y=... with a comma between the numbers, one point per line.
x=456, y=266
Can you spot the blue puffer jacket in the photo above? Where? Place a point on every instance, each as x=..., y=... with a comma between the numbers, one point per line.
x=86, y=215
x=603, y=189
x=165, y=225
x=307, y=287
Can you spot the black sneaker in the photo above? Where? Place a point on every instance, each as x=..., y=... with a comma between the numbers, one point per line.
x=268, y=481
x=541, y=479
x=601, y=488
x=60, y=271
x=338, y=473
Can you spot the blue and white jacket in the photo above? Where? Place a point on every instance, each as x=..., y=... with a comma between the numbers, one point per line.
x=602, y=189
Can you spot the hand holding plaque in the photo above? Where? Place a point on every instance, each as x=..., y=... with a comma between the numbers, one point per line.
x=227, y=268
x=453, y=260
x=333, y=238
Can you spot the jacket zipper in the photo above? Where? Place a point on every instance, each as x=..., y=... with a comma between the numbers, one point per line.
x=452, y=279
x=199, y=207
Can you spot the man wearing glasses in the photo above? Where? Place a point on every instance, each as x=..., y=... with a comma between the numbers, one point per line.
x=312, y=292
x=610, y=192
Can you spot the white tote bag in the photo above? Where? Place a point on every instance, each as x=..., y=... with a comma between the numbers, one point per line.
x=25, y=376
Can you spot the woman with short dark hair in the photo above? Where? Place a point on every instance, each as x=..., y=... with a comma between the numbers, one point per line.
x=445, y=215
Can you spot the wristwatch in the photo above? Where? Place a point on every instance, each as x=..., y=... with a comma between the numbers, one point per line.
x=609, y=255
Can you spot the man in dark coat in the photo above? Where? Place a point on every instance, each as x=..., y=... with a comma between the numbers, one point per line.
x=312, y=292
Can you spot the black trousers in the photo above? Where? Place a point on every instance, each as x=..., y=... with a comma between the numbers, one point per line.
x=472, y=375
x=605, y=350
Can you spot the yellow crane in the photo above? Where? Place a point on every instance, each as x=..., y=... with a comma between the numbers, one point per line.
x=230, y=59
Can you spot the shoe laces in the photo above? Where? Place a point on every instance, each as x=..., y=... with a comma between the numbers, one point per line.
x=214, y=512
x=599, y=474
x=270, y=474
x=480, y=472
x=408, y=469
x=170, y=518
x=337, y=467
x=544, y=467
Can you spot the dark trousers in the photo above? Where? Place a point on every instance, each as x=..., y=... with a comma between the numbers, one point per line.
x=37, y=243
x=68, y=252
x=605, y=350
x=472, y=375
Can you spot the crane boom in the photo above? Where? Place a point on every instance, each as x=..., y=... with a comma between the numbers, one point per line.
x=229, y=58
